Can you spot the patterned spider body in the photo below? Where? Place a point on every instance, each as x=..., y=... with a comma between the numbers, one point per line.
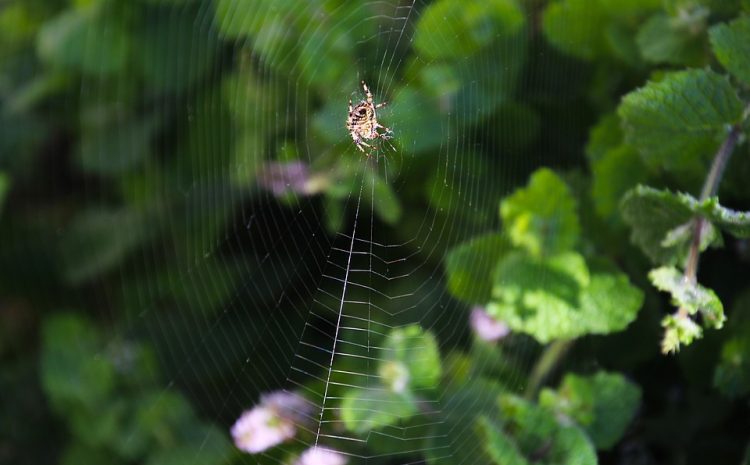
x=362, y=122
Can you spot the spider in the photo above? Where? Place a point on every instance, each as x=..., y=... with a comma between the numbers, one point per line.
x=362, y=123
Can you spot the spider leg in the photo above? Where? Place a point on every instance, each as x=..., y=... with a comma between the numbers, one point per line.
x=387, y=134
x=381, y=105
x=367, y=92
x=359, y=142
x=350, y=106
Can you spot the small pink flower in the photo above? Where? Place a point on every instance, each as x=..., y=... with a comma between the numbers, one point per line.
x=281, y=178
x=271, y=422
x=487, y=328
x=259, y=429
x=321, y=456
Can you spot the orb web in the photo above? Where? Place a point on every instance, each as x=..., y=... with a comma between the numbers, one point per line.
x=281, y=258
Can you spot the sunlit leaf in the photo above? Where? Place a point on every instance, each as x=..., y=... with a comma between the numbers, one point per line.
x=365, y=409
x=689, y=296
x=499, y=447
x=417, y=352
x=678, y=122
x=542, y=217
x=556, y=298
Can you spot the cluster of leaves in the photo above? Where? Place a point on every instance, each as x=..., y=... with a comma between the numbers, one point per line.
x=111, y=396
x=536, y=282
x=498, y=426
x=675, y=124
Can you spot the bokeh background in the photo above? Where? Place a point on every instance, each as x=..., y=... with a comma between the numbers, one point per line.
x=178, y=195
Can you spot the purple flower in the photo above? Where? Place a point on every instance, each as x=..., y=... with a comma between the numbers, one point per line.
x=259, y=429
x=321, y=456
x=487, y=328
x=280, y=178
x=271, y=422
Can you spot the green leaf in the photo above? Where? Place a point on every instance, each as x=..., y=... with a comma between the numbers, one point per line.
x=499, y=447
x=689, y=296
x=673, y=40
x=610, y=303
x=465, y=402
x=85, y=39
x=558, y=299
x=470, y=266
x=661, y=223
x=456, y=28
x=75, y=375
x=410, y=359
x=679, y=330
x=652, y=215
x=678, y=122
x=731, y=45
x=363, y=410
x=734, y=222
x=97, y=241
x=542, y=217
x=541, y=438
x=603, y=404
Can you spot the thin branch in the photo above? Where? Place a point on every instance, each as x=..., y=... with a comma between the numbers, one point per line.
x=545, y=364
x=710, y=188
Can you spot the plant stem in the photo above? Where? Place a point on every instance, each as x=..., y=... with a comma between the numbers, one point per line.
x=545, y=364
x=710, y=188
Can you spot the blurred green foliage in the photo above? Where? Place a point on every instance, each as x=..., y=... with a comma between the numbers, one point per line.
x=137, y=140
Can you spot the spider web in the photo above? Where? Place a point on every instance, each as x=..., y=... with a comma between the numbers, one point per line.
x=294, y=261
